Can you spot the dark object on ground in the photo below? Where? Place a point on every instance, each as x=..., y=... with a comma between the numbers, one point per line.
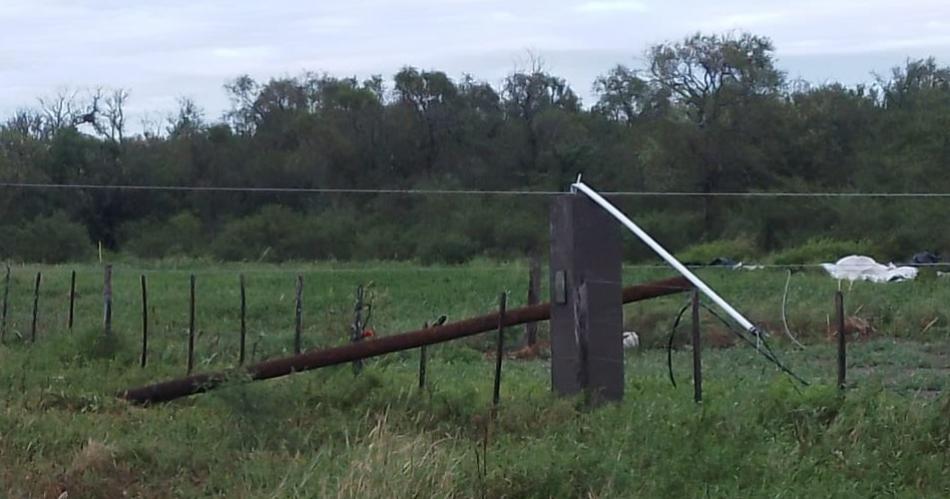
x=723, y=261
x=925, y=258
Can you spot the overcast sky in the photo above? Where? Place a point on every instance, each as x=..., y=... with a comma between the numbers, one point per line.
x=161, y=50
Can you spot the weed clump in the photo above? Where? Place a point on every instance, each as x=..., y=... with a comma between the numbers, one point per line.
x=92, y=344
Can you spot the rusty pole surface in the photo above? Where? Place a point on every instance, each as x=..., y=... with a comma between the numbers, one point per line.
x=314, y=359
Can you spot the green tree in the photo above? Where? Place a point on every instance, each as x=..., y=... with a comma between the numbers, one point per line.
x=719, y=81
x=623, y=96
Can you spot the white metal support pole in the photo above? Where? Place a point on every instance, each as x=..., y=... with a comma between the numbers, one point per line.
x=660, y=250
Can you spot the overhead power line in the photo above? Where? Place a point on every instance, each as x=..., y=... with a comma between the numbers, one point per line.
x=459, y=192
x=269, y=190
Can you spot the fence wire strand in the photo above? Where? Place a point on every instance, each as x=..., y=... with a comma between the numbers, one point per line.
x=458, y=192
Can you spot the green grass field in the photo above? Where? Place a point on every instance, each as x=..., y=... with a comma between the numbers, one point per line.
x=327, y=433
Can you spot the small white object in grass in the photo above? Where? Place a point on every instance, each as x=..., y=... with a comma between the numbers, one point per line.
x=630, y=340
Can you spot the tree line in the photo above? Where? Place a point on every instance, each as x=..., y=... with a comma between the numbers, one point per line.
x=709, y=113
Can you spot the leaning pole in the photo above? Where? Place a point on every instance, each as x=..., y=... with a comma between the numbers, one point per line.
x=315, y=359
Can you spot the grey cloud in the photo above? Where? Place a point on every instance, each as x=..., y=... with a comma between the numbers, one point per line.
x=161, y=50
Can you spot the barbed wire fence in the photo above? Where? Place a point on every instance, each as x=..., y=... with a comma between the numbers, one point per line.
x=14, y=324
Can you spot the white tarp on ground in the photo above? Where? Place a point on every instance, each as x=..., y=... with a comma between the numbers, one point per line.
x=864, y=268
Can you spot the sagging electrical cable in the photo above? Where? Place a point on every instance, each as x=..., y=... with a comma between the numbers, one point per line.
x=769, y=354
x=669, y=343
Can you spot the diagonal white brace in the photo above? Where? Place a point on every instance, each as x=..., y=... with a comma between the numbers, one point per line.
x=661, y=251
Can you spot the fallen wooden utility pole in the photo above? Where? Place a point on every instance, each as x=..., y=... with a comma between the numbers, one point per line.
x=314, y=359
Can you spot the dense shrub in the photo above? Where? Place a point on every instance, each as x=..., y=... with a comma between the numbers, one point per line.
x=520, y=235
x=48, y=239
x=739, y=249
x=822, y=250
x=383, y=242
x=253, y=237
x=278, y=233
x=180, y=235
x=330, y=234
x=446, y=248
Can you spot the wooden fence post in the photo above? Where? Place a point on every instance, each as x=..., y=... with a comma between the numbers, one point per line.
x=72, y=301
x=586, y=269
x=842, y=340
x=359, y=323
x=191, y=325
x=107, y=300
x=243, y=321
x=36, y=305
x=144, y=360
x=534, y=297
x=298, y=315
x=697, y=352
x=424, y=352
x=500, y=350
x=3, y=313
x=422, y=362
